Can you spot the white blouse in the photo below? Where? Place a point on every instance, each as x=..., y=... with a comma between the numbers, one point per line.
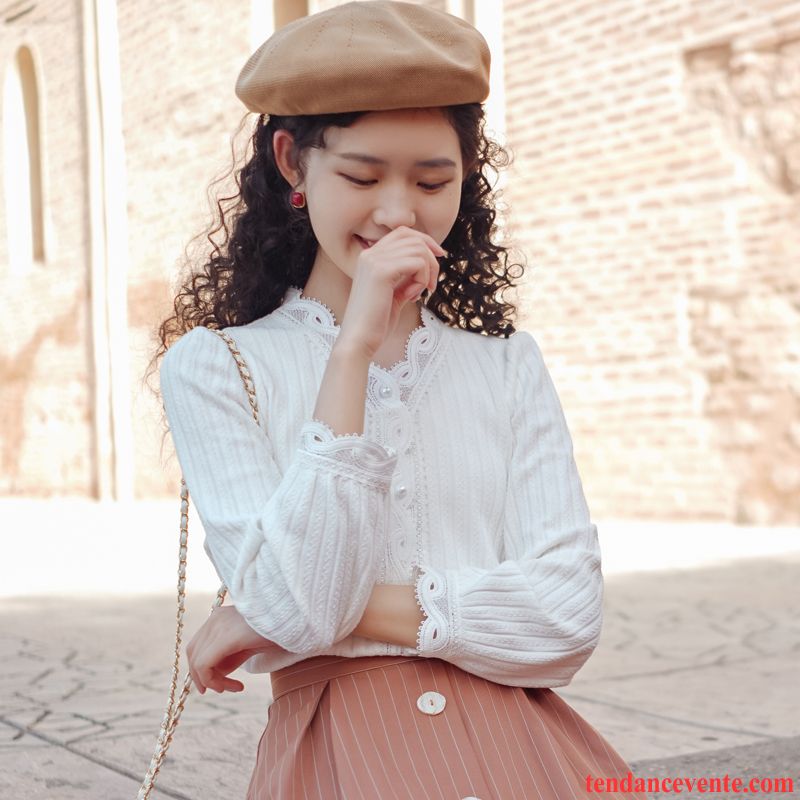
x=463, y=484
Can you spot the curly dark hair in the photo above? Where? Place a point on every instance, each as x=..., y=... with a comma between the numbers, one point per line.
x=272, y=246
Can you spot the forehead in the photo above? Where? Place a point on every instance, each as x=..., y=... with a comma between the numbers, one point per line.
x=400, y=137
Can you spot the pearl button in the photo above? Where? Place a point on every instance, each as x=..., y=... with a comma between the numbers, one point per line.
x=431, y=703
x=386, y=391
x=400, y=492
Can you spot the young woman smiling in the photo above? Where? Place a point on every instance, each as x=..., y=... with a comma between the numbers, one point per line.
x=402, y=531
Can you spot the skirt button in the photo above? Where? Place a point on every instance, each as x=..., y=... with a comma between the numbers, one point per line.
x=431, y=703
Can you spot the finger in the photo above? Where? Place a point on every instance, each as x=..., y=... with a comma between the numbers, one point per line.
x=419, y=271
x=208, y=656
x=436, y=246
x=428, y=239
x=433, y=277
x=192, y=649
x=411, y=282
x=415, y=289
x=209, y=677
x=205, y=679
x=221, y=683
x=193, y=673
x=429, y=276
x=412, y=291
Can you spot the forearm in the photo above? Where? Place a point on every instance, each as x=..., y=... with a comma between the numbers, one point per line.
x=392, y=615
x=343, y=391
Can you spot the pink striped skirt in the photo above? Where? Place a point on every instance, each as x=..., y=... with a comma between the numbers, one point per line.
x=381, y=727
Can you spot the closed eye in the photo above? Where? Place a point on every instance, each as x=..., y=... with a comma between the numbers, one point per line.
x=430, y=187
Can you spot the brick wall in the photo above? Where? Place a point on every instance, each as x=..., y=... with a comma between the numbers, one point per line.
x=46, y=446
x=179, y=64
x=655, y=196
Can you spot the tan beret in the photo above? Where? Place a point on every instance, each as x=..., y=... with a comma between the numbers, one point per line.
x=367, y=56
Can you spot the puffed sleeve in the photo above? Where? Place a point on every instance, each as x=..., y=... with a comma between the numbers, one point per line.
x=297, y=551
x=535, y=618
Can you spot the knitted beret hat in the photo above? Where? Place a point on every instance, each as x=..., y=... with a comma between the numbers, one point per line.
x=367, y=56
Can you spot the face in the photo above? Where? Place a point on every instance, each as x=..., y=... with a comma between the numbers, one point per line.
x=348, y=195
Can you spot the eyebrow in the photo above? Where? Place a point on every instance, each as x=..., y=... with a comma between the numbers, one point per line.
x=367, y=159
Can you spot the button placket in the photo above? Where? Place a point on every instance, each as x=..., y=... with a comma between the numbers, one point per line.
x=400, y=544
x=397, y=422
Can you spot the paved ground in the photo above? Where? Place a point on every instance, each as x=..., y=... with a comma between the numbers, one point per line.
x=696, y=675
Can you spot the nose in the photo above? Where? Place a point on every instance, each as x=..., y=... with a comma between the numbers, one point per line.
x=395, y=207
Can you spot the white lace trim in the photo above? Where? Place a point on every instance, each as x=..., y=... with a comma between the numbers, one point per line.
x=437, y=629
x=418, y=348
x=296, y=293
x=411, y=337
x=318, y=437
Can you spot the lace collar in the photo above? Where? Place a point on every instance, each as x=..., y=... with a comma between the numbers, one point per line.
x=420, y=345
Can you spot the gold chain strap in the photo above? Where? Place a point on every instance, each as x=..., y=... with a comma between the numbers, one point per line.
x=173, y=713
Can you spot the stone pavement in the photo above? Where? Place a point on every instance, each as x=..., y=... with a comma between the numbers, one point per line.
x=696, y=675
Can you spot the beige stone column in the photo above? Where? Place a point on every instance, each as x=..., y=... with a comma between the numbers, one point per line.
x=108, y=255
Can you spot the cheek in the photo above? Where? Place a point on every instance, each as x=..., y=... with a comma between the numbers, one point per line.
x=440, y=221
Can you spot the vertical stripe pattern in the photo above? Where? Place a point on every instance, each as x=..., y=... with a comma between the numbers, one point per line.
x=350, y=729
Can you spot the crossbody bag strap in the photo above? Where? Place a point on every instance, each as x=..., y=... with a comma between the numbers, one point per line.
x=173, y=712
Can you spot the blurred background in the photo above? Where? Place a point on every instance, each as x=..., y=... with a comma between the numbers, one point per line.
x=655, y=197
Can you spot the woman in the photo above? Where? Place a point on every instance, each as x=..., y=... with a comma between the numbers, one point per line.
x=404, y=537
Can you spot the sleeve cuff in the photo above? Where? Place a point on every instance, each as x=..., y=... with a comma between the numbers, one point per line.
x=352, y=453
x=436, y=593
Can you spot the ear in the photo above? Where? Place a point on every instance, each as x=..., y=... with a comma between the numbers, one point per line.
x=282, y=142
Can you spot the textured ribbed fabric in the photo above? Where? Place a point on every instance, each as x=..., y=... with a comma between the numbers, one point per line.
x=463, y=484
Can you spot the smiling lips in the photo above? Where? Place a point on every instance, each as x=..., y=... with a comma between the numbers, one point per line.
x=365, y=243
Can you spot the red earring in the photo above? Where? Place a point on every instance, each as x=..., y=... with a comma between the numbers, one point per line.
x=297, y=199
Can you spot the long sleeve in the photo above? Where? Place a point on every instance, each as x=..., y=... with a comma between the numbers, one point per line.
x=535, y=618
x=297, y=551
